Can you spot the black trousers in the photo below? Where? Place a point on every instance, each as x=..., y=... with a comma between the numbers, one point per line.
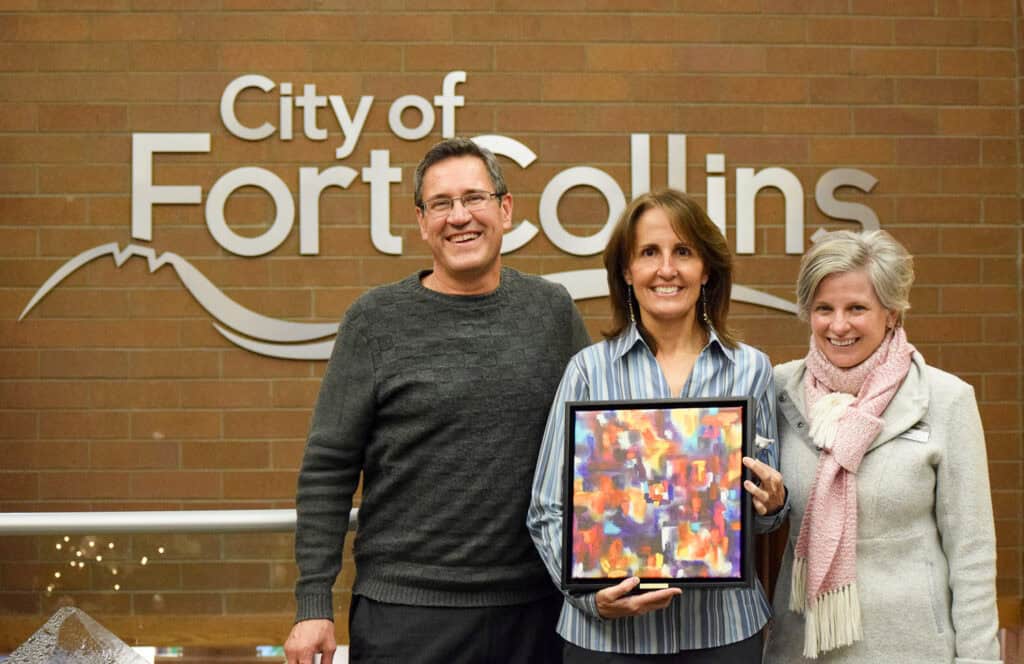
x=747, y=651
x=381, y=633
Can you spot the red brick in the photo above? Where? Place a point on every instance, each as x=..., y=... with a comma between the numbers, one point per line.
x=976, y=121
x=84, y=364
x=995, y=33
x=936, y=32
x=950, y=151
x=895, y=120
x=18, y=364
x=883, y=8
x=83, y=5
x=44, y=455
x=254, y=484
x=757, y=29
x=852, y=90
x=905, y=61
x=84, y=424
x=17, y=179
x=178, y=603
x=972, y=240
x=998, y=152
x=806, y=6
x=976, y=62
x=83, y=485
x=980, y=299
x=853, y=150
x=265, y=57
x=1001, y=388
x=177, y=485
x=937, y=91
x=447, y=57
x=1004, y=209
x=227, y=576
x=356, y=57
x=287, y=455
x=82, y=57
x=260, y=602
x=229, y=27
x=18, y=117
x=585, y=87
x=173, y=56
x=173, y=425
x=808, y=119
x=224, y=454
x=243, y=364
x=978, y=180
x=848, y=30
x=136, y=27
x=19, y=486
x=133, y=456
x=278, y=423
x=272, y=5
x=539, y=58
x=807, y=60
x=986, y=8
x=999, y=270
x=412, y=27
x=84, y=179
x=16, y=58
x=174, y=364
x=52, y=28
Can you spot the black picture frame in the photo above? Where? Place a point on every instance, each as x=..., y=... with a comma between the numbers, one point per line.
x=660, y=495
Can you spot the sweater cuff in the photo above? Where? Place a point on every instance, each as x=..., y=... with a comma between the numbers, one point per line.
x=971, y=660
x=311, y=607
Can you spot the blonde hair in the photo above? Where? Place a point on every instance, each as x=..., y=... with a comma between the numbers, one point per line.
x=889, y=267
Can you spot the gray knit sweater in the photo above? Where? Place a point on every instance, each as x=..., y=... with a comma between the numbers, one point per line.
x=441, y=402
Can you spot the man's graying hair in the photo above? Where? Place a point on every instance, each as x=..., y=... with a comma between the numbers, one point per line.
x=458, y=147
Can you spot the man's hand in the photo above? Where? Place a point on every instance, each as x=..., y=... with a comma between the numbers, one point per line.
x=616, y=602
x=309, y=637
x=769, y=495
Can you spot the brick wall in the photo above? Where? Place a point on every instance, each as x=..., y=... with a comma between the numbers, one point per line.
x=116, y=392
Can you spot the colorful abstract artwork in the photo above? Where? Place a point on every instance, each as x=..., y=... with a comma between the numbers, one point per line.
x=657, y=493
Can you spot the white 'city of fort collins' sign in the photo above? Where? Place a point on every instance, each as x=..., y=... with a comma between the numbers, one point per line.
x=287, y=339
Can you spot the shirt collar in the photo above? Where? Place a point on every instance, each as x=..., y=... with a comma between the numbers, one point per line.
x=630, y=337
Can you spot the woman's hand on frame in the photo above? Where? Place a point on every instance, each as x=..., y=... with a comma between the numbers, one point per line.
x=769, y=492
x=616, y=602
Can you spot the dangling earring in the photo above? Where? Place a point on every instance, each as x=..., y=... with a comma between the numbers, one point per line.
x=629, y=303
x=704, y=306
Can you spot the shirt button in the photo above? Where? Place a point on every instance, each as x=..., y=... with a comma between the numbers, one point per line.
x=782, y=397
x=799, y=425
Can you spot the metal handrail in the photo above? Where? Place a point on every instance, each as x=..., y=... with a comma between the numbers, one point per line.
x=183, y=521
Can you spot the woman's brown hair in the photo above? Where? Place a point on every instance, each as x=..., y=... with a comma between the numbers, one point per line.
x=691, y=222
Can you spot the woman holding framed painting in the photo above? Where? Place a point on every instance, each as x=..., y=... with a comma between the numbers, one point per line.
x=670, y=279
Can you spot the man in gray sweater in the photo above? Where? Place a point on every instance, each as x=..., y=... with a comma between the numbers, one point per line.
x=437, y=391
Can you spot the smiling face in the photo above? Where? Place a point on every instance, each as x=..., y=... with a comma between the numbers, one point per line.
x=466, y=246
x=848, y=322
x=665, y=271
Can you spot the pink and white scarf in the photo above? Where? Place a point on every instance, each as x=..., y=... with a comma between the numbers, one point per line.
x=844, y=410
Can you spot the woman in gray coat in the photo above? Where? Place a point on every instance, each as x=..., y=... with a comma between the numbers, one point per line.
x=891, y=554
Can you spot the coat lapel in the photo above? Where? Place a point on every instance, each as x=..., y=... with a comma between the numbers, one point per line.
x=906, y=409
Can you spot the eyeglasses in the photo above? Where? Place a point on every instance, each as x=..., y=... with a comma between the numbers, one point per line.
x=474, y=200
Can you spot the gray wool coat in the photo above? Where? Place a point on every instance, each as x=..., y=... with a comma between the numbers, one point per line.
x=926, y=556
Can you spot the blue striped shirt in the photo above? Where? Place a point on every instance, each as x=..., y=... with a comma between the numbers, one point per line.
x=625, y=368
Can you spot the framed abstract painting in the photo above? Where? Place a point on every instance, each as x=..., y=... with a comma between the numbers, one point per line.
x=654, y=489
